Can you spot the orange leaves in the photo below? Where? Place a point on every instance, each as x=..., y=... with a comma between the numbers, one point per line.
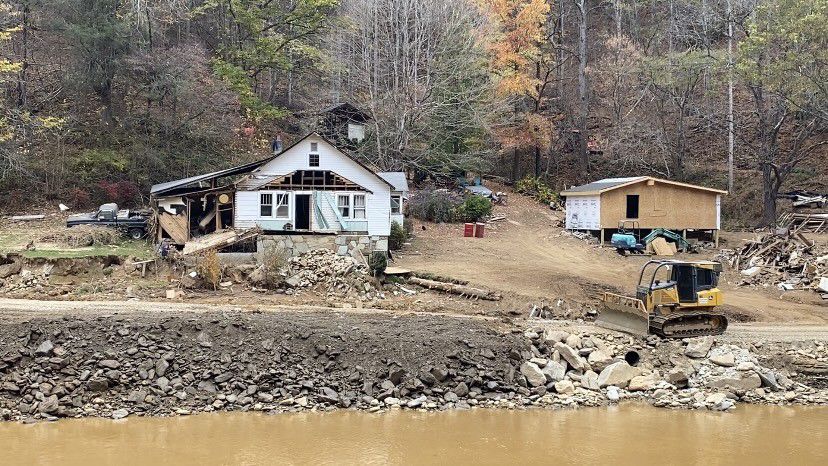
x=519, y=28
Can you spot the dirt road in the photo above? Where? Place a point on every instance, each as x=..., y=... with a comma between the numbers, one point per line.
x=527, y=256
x=18, y=310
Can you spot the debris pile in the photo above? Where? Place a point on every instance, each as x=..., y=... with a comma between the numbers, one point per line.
x=805, y=222
x=324, y=269
x=83, y=236
x=791, y=262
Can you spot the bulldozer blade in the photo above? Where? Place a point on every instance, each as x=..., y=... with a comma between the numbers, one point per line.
x=623, y=321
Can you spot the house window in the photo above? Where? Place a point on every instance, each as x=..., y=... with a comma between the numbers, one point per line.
x=266, y=205
x=632, y=205
x=344, y=204
x=313, y=160
x=314, y=147
x=359, y=206
x=396, y=202
x=282, y=208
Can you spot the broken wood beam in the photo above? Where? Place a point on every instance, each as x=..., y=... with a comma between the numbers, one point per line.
x=453, y=288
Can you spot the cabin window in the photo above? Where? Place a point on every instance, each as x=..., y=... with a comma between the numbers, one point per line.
x=396, y=202
x=632, y=205
x=359, y=206
x=282, y=208
x=313, y=160
x=314, y=147
x=266, y=205
x=344, y=204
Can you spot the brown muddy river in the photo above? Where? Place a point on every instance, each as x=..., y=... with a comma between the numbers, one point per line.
x=629, y=434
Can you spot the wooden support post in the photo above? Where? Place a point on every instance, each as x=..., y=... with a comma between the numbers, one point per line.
x=218, y=216
x=716, y=237
x=602, y=237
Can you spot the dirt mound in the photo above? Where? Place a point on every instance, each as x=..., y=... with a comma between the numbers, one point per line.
x=84, y=236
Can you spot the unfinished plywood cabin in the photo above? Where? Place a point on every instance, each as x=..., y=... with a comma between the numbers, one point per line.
x=645, y=203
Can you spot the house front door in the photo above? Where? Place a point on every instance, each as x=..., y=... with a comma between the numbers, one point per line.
x=303, y=210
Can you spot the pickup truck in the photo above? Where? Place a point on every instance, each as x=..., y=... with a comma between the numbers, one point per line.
x=134, y=224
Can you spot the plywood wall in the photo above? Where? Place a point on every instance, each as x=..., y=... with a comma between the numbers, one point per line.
x=662, y=205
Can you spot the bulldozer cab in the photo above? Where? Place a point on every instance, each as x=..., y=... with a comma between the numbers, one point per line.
x=666, y=282
x=674, y=299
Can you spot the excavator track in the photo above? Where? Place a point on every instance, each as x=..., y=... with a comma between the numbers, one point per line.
x=686, y=324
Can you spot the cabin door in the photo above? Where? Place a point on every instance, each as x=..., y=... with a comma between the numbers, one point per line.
x=303, y=210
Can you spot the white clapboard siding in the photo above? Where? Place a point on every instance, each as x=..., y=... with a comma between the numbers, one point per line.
x=378, y=200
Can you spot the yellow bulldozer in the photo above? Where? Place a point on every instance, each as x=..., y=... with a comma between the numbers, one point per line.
x=674, y=299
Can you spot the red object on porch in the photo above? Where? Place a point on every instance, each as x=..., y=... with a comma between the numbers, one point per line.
x=479, y=229
x=468, y=230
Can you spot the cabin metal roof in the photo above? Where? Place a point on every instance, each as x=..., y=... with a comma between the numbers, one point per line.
x=608, y=184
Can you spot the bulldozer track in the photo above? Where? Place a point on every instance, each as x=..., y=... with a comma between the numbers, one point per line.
x=699, y=323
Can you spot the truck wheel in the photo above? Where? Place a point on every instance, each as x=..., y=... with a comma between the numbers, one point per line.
x=136, y=233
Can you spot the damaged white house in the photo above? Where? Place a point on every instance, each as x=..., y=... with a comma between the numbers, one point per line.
x=310, y=194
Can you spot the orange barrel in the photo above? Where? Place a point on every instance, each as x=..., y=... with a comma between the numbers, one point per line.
x=479, y=229
x=468, y=230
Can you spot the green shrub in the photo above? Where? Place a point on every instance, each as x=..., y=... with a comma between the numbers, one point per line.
x=474, y=208
x=378, y=262
x=537, y=189
x=436, y=205
x=397, y=237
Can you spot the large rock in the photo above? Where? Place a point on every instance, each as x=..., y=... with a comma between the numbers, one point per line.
x=554, y=371
x=618, y=374
x=699, y=347
x=534, y=376
x=565, y=387
x=45, y=348
x=725, y=359
x=680, y=376
x=554, y=336
x=97, y=385
x=571, y=356
x=599, y=359
x=643, y=382
x=7, y=270
x=49, y=405
x=590, y=381
x=739, y=384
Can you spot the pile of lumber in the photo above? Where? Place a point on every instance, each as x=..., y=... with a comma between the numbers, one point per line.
x=218, y=240
x=805, y=222
x=789, y=261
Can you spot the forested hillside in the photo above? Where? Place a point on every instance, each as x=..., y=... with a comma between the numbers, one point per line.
x=102, y=98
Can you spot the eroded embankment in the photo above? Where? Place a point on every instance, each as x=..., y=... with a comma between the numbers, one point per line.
x=180, y=362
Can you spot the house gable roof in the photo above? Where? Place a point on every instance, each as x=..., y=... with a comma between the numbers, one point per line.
x=397, y=180
x=609, y=184
x=337, y=149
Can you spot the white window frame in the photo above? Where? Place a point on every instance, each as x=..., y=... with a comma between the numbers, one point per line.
x=311, y=157
x=398, y=197
x=314, y=147
x=263, y=197
x=281, y=201
x=359, y=209
x=346, y=207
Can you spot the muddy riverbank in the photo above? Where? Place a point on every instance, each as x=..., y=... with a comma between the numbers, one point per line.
x=632, y=434
x=181, y=363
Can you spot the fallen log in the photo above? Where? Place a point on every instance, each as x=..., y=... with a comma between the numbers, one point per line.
x=453, y=288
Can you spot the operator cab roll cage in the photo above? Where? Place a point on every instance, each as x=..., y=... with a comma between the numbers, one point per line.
x=653, y=285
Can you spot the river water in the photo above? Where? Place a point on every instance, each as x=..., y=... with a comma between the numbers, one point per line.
x=627, y=434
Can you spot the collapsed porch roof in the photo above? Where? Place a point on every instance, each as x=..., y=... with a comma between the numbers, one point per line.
x=170, y=186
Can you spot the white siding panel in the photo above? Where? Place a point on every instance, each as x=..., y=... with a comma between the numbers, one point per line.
x=583, y=212
x=246, y=209
x=378, y=202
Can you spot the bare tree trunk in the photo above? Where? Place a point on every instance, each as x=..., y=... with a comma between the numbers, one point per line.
x=583, y=107
x=730, y=133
